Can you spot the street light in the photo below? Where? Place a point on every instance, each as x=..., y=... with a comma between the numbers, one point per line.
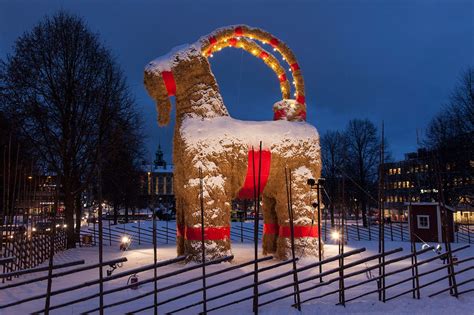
x=312, y=182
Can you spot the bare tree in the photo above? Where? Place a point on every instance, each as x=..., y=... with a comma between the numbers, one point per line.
x=363, y=159
x=334, y=156
x=64, y=89
x=122, y=167
x=450, y=138
x=456, y=120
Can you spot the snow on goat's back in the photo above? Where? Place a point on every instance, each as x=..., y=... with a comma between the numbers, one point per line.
x=221, y=133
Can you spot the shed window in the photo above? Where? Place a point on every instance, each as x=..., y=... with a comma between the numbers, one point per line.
x=423, y=221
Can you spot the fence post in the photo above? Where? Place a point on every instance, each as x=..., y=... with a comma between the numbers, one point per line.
x=93, y=224
x=155, y=259
x=391, y=228
x=292, y=232
x=256, y=195
x=414, y=271
x=469, y=228
x=401, y=224
x=51, y=249
x=241, y=228
x=319, y=229
x=203, y=245
x=341, y=269
x=357, y=225
x=110, y=236
x=326, y=225
x=139, y=232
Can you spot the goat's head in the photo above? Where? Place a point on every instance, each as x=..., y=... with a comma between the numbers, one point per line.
x=187, y=66
x=168, y=75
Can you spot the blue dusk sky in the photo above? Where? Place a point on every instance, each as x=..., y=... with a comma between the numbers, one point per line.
x=386, y=60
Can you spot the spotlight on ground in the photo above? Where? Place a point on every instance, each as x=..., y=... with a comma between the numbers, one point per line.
x=335, y=235
x=125, y=243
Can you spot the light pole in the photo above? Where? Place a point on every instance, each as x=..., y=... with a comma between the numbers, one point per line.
x=312, y=183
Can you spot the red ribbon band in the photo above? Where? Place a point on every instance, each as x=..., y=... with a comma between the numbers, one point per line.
x=210, y=233
x=263, y=55
x=274, y=42
x=299, y=231
x=285, y=231
x=270, y=228
x=295, y=66
x=212, y=40
x=282, y=77
x=301, y=99
x=254, y=158
x=170, y=84
x=279, y=114
x=238, y=31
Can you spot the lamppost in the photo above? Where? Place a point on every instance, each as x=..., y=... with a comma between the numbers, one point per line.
x=317, y=185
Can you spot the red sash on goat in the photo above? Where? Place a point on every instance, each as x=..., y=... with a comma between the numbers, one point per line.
x=210, y=233
x=299, y=230
x=284, y=231
x=254, y=158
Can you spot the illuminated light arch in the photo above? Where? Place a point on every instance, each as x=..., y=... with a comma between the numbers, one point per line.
x=225, y=35
x=253, y=48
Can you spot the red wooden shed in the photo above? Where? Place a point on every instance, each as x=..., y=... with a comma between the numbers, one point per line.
x=425, y=222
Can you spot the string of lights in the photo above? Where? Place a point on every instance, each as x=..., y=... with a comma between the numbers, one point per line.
x=238, y=36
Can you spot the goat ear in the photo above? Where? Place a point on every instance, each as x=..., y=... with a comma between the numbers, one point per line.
x=157, y=90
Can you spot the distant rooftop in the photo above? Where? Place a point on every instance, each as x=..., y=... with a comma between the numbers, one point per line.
x=157, y=169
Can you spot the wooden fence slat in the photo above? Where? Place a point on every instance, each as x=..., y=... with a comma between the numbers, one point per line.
x=126, y=273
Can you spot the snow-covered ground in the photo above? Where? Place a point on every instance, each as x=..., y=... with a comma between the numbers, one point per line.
x=139, y=255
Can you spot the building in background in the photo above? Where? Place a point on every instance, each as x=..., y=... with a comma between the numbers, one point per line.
x=422, y=174
x=411, y=180
x=156, y=182
x=37, y=195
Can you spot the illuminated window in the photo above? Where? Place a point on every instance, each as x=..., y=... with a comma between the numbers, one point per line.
x=423, y=221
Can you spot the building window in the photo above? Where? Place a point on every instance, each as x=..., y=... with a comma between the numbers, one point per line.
x=423, y=221
x=169, y=185
x=161, y=185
